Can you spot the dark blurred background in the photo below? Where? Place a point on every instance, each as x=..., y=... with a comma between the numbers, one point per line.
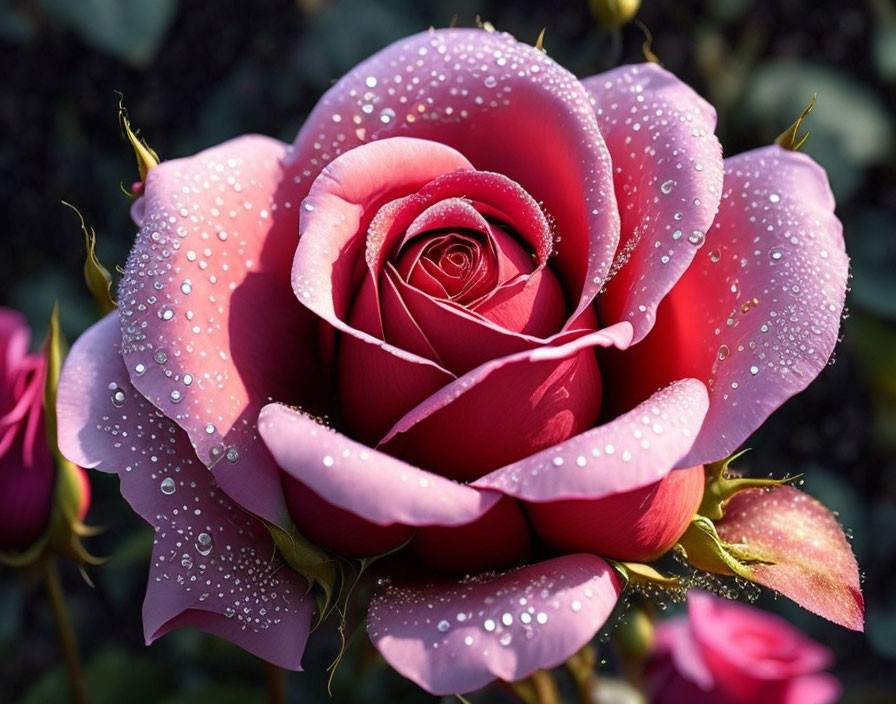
x=196, y=73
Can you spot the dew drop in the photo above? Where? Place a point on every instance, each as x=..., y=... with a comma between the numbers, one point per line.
x=443, y=626
x=505, y=639
x=774, y=198
x=168, y=487
x=160, y=356
x=204, y=544
x=176, y=396
x=667, y=186
x=140, y=369
x=489, y=625
x=118, y=396
x=697, y=238
x=723, y=353
x=754, y=370
x=210, y=429
x=232, y=454
x=186, y=288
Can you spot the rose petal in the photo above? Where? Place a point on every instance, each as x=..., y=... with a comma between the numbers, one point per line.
x=673, y=637
x=374, y=486
x=339, y=530
x=756, y=315
x=339, y=208
x=451, y=637
x=214, y=566
x=632, y=451
x=820, y=688
x=503, y=410
x=637, y=526
x=14, y=338
x=499, y=538
x=668, y=180
x=490, y=89
x=718, y=625
x=813, y=562
x=209, y=270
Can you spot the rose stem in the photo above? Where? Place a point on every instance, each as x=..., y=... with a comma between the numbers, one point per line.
x=276, y=683
x=67, y=640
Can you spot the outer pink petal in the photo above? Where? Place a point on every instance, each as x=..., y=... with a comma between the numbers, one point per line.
x=213, y=565
x=820, y=688
x=368, y=483
x=668, y=178
x=451, y=637
x=505, y=408
x=210, y=328
x=632, y=451
x=508, y=108
x=756, y=315
x=14, y=338
x=745, y=645
x=813, y=562
x=673, y=637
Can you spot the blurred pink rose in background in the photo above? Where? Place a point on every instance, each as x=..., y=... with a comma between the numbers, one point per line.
x=725, y=652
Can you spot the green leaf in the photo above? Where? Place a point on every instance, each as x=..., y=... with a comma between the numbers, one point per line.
x=218, y=694
x=113, y=677
x=131, y=30
x=851, y=129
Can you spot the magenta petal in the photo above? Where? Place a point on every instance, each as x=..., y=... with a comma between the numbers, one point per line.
x=213, y=565
x=210, y=268
x=368, y=483
x=812, y=562
x=486, y=89
x=668, y=179
x=451, y=637
x=632, y=451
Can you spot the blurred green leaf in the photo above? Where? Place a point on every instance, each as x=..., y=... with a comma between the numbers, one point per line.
x=883, y=49
x=218, y=694
x=131, y=30
x=113, y=676
x=873, y=251
x=850, y=126
x=14, y=25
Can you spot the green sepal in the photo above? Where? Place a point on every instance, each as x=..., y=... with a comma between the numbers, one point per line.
x=351, y=572
x=306, y=558
x=146, y=156
x=639, y=573
x=702, y=547
x=789, y=138
x=97, y=277
x=721, y=486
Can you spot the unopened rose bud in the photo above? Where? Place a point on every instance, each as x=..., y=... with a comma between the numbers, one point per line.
x=26, y=464
x=41, y=503
x=613, y=14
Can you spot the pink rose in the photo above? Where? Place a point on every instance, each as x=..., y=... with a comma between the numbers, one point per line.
x=27, y=469
x=477, y=307
x=729, y=653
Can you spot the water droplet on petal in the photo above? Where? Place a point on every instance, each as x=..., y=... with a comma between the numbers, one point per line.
x=168, y=487
x=204, y=544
